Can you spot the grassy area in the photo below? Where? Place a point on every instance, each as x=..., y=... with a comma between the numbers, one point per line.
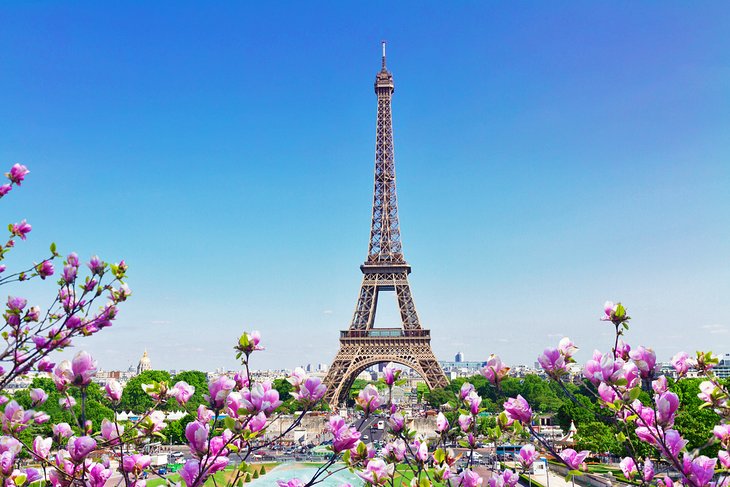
x=224, y=476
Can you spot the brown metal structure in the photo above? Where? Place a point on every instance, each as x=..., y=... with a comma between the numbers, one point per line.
x=384, y=270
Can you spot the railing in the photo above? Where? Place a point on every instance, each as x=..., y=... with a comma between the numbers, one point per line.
x=384, y=333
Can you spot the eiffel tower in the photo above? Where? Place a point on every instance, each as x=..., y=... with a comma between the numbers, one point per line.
x=384, y=270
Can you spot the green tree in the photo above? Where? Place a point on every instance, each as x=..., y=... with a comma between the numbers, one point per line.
x=134, y=398
x=598, y=437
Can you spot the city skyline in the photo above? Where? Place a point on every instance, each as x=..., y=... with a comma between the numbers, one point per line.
x=547, y=161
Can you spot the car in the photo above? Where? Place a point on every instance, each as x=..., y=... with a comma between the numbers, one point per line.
x=365, y=437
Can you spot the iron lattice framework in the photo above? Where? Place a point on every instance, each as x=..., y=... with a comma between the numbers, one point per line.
x=384, y=270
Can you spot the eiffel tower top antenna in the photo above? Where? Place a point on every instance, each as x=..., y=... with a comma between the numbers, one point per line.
x=383, y=43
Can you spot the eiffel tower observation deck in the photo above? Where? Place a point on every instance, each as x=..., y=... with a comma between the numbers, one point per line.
x=384, y=270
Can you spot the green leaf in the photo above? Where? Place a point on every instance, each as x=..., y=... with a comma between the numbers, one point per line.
x=53, y=248
x=439, y=455
x=621, y=437
x=575, y=473
x=634, y=394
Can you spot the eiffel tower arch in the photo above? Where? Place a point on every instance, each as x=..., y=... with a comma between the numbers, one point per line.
x=385, y=270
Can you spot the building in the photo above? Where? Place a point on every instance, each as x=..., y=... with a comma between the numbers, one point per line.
x=722, y=369
x=459, y=357
x=144, y=363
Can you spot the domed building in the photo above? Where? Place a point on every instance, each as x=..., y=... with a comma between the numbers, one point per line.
x=144, y=363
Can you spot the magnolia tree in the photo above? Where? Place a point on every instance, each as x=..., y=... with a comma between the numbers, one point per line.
x=232, y=425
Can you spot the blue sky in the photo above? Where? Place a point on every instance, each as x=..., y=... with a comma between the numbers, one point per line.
x=549, y=157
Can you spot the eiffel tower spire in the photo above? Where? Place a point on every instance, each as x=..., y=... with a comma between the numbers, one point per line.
x=385, y=244
x=385, y=269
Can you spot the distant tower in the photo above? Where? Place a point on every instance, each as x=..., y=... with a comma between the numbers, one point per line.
x=459, y=357
x=144, y=363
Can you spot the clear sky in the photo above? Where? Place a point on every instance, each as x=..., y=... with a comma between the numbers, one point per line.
x=550, y=156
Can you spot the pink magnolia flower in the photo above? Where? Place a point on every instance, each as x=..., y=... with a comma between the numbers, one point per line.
x=660, y=384
x=67, y=402
x=218, y=390
x=601, y=368
x=182, y=392
x=113, y=390
x=528, y=455
x=98, y=475
x=648, y=472
x=553, y=363
x=79, y=447
x=197, y=435
x=189, y=473
x=45, y=269
x=645, y=360
x=204, y=415
x=298, y=376
x=473, y=400
x=45, y=365
x=15, y=418
x=290, y=483
x=20, y=229
x=31, y=475
x=377, y=472
x=468, y=478
x=38, y=396
x=310, y=392
x=111, y=431
x=667, y=405
x=42, y=446
x=96, y=265
x=681, y=363
x=261, y=397
x=442, y=424
x=257, y=423
x=465, y=422
x=390, y=374
x=495, y=370
x=699, y=470
x=83, y=367
x=40, y=417
x=241, y=379
x=395, y=451
x=722, y=432
x=606, y=393
x=466, y=389
x=136, y=463
x=572, y=458
x=506, y=479
x=708, y=391
x=249, y=343
x=397, y=422
x=622, y=350
x=17, y=173
x=674, y=441
x=628, y=467
x=368, y=399
x=724, y=458
x=615, y=313
x=5, y=189
x=567, y=348
x=518, y=409
x=420, y=450
x=62, y=430
x=345, y=437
